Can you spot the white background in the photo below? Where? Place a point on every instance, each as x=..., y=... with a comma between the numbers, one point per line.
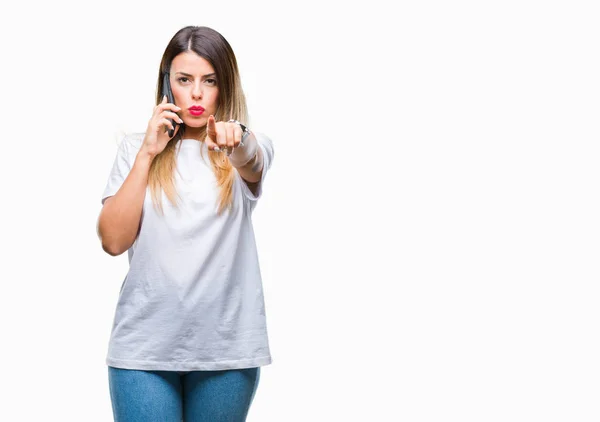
x=428, y=235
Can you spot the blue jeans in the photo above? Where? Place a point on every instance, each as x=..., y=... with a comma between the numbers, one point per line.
x=191, y=396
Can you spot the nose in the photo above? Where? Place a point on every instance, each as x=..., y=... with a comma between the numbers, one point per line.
x=197, y=91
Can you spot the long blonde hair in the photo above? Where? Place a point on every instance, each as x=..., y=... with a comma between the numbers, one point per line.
x=212, y=46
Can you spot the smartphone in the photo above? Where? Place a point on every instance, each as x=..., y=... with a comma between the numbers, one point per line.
x=166, y=90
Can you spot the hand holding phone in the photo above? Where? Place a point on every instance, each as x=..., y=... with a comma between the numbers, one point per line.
x=163, y=125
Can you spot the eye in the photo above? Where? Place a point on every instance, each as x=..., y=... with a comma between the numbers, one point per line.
x=181, y=79
x=212, y=81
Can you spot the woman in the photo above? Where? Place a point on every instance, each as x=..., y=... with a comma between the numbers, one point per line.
x=189, y=333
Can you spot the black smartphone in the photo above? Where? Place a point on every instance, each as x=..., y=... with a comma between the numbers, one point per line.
x=166, y=90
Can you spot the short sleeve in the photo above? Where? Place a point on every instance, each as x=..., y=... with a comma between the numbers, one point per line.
x=120, y=169
x=268, y=152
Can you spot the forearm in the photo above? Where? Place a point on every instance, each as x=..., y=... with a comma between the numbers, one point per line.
x=119, y=220
x=248, y=160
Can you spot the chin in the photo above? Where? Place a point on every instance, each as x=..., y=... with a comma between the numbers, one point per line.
x=195, y=124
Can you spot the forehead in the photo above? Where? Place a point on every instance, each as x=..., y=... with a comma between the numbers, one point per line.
x=191, y=63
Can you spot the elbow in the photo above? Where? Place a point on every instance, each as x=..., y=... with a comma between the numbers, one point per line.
x=112, y=250
x=114, y=240
x=110, y=246
x=115, y=246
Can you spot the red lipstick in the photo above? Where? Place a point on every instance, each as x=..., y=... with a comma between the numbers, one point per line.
x=196, y=110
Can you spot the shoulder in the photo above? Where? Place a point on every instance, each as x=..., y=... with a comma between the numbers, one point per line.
x=130, y=145
x=133, y=141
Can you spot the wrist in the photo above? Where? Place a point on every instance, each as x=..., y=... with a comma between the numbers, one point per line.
x=243, y=154
x=245, y=130
x=144, y=156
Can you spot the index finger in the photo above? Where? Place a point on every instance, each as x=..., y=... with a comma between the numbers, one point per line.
x=211, y=127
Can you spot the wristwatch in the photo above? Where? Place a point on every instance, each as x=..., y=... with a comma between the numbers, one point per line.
x=245, y=131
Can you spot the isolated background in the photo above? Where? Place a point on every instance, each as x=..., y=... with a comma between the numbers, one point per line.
x=428, y=234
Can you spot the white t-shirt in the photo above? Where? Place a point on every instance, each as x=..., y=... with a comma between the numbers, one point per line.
x=192, y=298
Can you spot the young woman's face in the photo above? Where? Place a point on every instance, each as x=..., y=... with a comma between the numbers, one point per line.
x=194, y=83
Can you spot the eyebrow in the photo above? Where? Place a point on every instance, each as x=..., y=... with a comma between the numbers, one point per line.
x=187, y=74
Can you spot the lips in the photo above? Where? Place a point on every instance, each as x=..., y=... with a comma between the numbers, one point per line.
x=196, y=110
